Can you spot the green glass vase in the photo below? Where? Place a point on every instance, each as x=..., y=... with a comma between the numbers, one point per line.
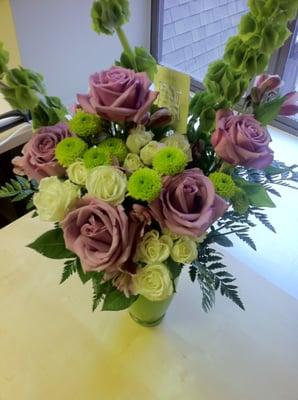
x=149, y=313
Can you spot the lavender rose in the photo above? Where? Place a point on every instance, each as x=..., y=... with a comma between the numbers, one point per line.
x=100, y=234
x=188, y=204
x=38, y=160
x=118, y=94
x=241, y=140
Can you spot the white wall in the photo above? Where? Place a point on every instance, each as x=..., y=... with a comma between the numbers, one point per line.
x=56, y=39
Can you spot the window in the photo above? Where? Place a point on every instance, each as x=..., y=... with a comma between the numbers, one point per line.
x=188, y=35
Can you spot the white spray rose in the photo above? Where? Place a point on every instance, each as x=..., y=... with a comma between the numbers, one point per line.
x=184, y=250
x=132, y=162
x=55, y=198
x=77, y=173
x=151, y=249
x=153, y=282
x=107, y=183
x=137, y=139
x=149, y=150
x=179, y=141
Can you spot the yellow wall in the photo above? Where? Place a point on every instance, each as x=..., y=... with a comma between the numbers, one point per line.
x=9, y=38
x=8, y=32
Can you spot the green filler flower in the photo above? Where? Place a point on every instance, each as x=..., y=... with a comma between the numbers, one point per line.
x=116, y=147
x=84, y=124
x=223, y=184
x=96, y=156
x=144, y=184
x=169, y=161
x=69, y=150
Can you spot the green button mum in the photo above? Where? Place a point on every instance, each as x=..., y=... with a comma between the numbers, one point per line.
x=69, y=150
x=223, y=184
x=84, y=124
x=95, y=157
x=169, y=161
x=116, y=147
x=144, y=184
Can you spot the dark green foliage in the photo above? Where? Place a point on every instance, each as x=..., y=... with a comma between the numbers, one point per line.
x=278, y=173
x=115, y=301
x=49, y=112
x=19, y=189
x=266, y=112
x=256, y=193
x=51, y=244
x=210, y=272
x=248, y=240
x=99, y=290
x=140, y=60
x=70, y=268
x=174, y=268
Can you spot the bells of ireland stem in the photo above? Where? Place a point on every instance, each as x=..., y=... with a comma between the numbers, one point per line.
x=23, y=88
x=224, y=82
x=248, y=27
x=109, y=15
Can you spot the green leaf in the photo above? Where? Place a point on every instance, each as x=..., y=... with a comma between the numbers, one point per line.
x=70, y=267
x=266, y=112
x=51, y=244
x=256, y=193
x=222, y=240
x=116, y=300
x=84, y=276
x=145, y=62
x=174, y=268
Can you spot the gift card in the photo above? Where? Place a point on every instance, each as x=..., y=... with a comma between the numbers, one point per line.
x=174, y=89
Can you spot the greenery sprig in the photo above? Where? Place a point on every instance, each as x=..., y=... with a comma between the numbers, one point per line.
x=19, y=189
x=209, y=271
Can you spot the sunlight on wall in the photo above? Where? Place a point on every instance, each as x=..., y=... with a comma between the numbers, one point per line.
x=9, y=38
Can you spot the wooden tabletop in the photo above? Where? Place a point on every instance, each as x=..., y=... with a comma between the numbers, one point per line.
x=53, y=347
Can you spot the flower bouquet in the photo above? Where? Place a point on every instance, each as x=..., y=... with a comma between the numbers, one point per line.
x=135, y=203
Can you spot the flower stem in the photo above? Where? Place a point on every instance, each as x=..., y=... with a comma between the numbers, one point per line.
x=126, y=46
x=226, y=168
x=3, y=86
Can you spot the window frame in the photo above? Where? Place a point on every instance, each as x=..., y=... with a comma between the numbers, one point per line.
x=276, y=66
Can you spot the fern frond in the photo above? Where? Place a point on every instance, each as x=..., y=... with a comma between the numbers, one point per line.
x=70, y=267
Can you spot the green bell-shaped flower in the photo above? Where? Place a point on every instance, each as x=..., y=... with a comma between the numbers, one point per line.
x=269, y=39
x=201, y=101
x=224, y=82
x=109, y=15
x=248, y=27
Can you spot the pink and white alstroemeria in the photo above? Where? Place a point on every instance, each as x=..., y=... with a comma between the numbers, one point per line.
x=290, y=105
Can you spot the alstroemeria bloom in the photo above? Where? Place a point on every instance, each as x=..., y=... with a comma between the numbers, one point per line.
x=290, y=105
x=267, y=83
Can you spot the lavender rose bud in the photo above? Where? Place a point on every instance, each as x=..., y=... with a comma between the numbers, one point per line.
x=241, y=140
x=38, y=160
x=290, y=105
x=118, y=94
x=100, y=234
x=188, y=204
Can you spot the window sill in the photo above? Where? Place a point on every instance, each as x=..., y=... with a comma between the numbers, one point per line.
x=277, y=254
